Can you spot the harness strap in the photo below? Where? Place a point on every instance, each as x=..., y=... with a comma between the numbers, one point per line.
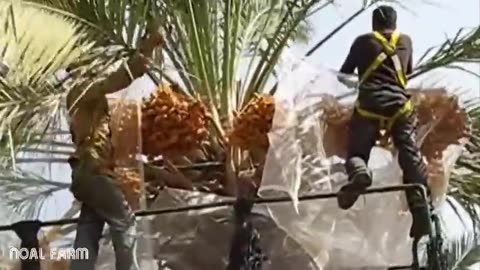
x=386, y=122
x=376, y=63
x=389, y=47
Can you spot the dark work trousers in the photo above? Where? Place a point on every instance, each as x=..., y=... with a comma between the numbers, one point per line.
x=362, y=136
x=102, y=202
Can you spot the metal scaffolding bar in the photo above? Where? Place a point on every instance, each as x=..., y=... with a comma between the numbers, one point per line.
x=27, y=230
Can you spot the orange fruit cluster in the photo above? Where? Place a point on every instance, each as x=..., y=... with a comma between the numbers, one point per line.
x=253, y=123
x=130, y=183
x=452, y=123
x=336, y=117
x=431, y=105
x=172, y=123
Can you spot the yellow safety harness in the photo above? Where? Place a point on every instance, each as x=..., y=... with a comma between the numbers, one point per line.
x=389, y=47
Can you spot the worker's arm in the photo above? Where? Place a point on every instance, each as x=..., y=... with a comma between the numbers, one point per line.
x=349, y=65
x=122, y=77
x=410, y=58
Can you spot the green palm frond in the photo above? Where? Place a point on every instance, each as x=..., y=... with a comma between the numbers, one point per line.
x=26, y=192
x=226, y=51
x=472, y=258
x=120, y=22
x=465, y=180
x=35, y=44
x=42, y=44
x=464, y=47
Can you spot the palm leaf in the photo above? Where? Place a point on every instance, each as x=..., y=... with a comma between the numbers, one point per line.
x=26, y=192
x=119, y=22
x=210, y=40
x=29, y=100
x=472, y=258
x=464, y=47
x=465, y=181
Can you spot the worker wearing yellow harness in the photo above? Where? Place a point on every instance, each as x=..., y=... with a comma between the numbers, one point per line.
x=383, y=59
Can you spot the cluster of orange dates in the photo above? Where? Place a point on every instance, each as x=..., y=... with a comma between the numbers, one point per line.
x=253, y=123
x=172, y=123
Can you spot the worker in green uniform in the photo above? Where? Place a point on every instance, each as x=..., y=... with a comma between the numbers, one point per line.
x=383, y=60
x=92, y=163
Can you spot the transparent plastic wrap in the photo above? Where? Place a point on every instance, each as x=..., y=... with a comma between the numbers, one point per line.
x=374, y=233
x=199, y=240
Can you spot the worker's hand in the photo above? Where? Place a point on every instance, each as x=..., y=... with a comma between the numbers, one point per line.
x=348, y=82
x=151, y=40
x=4, y=69
x=154, y=36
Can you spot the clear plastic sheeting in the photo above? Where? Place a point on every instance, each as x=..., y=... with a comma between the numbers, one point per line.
x=126, y=112
x=200, y=240
x=374, y=233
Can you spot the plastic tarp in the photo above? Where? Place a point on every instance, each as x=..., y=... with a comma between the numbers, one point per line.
x=200, y=240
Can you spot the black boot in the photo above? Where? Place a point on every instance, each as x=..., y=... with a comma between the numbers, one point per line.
x=360, y=180
x=420, y=211
x=421, y=224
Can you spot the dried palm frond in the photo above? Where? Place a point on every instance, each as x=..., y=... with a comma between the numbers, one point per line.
x=450, y=121
x=433, y=107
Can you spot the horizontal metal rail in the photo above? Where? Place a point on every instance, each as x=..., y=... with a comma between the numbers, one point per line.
x=27, y=230
x=231, y=202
